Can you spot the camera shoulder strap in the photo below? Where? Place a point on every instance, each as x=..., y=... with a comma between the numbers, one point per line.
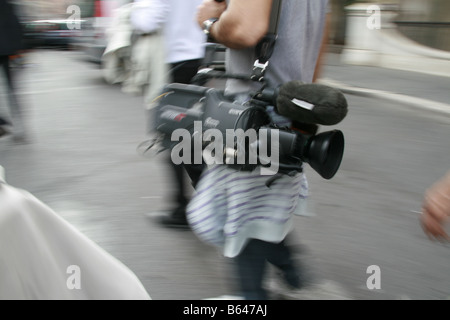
x=265, y=47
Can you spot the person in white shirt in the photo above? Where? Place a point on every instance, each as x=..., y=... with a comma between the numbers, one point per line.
x=185, y=49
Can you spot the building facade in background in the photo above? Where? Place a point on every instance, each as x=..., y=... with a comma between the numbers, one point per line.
x=426, y=22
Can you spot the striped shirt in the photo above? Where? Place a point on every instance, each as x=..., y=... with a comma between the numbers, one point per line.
x=230, y=207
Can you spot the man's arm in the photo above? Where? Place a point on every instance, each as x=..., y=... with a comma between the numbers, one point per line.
x=323, y=49
x=242, y=24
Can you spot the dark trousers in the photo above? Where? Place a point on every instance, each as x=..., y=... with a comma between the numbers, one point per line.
x=183, y=72
x=14, y=106
x=4, y=62
x=251, y=266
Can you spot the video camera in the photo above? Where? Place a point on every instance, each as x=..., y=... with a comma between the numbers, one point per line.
x=205, y=117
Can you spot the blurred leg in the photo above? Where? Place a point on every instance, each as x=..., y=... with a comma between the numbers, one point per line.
x=180, y=196
x=14, y=105
x=252, y=262
x=280, y=255
x=3, y=121
x=182, y=72
x=251, y=267
x=4, y=67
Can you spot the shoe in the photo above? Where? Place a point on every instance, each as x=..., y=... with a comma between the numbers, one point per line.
x=174, y=220
x=3, y=132
x=20, y=139
x=4, y=122
x=325, y=290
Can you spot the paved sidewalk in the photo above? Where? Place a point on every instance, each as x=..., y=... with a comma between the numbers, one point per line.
x=416, y=89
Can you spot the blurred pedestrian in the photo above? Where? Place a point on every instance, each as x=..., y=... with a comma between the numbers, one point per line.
x=185, y=49
x=235, y=209
x=436, y=209
x=11, y=42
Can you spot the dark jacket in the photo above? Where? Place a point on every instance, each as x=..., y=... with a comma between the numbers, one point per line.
x=10, y=30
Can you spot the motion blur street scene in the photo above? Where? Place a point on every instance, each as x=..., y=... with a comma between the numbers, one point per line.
x=363, y=239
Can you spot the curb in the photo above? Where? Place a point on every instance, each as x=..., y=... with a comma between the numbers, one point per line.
x=415, y=102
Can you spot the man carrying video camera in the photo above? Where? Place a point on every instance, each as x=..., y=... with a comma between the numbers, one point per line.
x=235, y=209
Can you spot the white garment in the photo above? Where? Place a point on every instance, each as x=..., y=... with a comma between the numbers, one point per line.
x=181, y=40
x=118, y=46
x=184, y=39
x=230, y=207
x=149, y=70
x=149, y=15
x=43, y=257
x=140, y=65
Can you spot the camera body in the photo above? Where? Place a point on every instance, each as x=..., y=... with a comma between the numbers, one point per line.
x=182, y=104
x=242, y=134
